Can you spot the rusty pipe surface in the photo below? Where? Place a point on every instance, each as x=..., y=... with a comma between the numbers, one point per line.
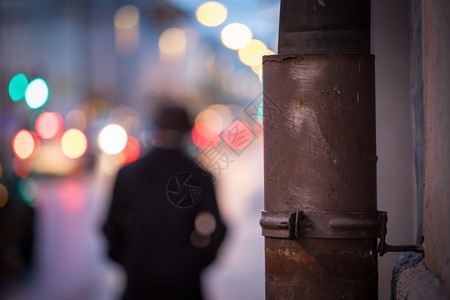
x=319, y=152
x=319, y=149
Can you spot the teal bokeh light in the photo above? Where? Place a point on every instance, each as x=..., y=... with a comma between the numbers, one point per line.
x=18, y=86
x=36, y=94
x=192, y=150
x=27, y=190
x=260, y=113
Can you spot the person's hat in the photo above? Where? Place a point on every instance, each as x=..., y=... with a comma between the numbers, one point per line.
x=173, y=117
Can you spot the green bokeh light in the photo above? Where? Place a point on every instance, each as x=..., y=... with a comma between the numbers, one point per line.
x=18, y=86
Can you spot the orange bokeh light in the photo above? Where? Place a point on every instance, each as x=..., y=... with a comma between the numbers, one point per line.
x=25, y=144
x=208, y=129
x=206, y=135
x=49, y=125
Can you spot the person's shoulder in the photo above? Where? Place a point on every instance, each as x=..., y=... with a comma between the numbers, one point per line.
x=169, y=159
x=194, y=164
x=131, y=167
x=191, y=165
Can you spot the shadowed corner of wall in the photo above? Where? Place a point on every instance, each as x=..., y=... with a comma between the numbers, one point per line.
x=412, y=280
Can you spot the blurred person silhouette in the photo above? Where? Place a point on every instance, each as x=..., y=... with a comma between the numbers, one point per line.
x=164, y=226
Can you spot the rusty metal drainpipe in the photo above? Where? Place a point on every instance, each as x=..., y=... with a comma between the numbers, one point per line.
x=320, y=218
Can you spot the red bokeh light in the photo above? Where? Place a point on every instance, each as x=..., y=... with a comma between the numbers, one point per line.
x=49, y=125
x=130, y=153
x=22, y=168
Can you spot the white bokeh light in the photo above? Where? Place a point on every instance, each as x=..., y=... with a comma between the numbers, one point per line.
x=112, y=139
x=236, y=36
x=36, y=94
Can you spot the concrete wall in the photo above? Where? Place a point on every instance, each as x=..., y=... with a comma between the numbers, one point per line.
x=430, y=279
x=436, y=74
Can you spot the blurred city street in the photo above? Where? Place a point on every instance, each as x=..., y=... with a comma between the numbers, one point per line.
x=83, y=80
x=70, y=249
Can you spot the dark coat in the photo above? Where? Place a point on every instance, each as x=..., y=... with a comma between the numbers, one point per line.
x=151, y=225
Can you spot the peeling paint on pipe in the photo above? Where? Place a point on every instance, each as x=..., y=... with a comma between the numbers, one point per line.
x=319, y=150
x=319, y=154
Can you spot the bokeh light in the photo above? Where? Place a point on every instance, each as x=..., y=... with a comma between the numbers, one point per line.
x=130, y=153
x=126, y=29
x=209, y=115
x=224, y=112
x=112, y=139
x=48, y=125
x=199, y=240
x=22, y=168
x=211, y=14
x=208, y=129
x=25, y=144
x=18, y=86
x=4, y=196
x=74, y=143
x=126, y=17
x=206, y=135
x=238, y=135
x=251, y=55
x=260, y=113
x=172, y=43
x=75, y=119
x=205, y=223
x=236, y=36
x=1, y=170
x=36, y=94
x=27, y=190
